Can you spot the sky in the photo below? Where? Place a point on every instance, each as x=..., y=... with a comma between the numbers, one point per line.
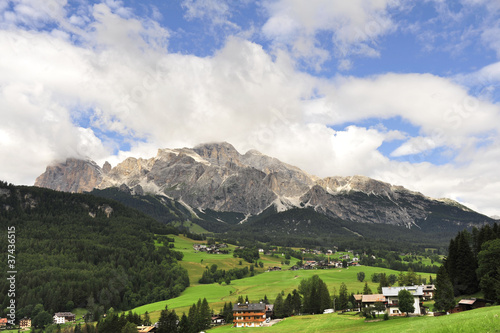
x=407, y=92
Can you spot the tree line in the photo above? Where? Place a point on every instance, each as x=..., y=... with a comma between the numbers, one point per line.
x=71, y=254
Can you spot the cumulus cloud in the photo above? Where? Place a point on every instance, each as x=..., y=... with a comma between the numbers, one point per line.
x=105, y=76
x=354, y=26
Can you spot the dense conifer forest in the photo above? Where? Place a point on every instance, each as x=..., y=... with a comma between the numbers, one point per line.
x=78, y=250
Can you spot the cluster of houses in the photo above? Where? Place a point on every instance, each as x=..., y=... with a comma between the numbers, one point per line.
x=24, y=324
x=212, y=249
x=325, y=264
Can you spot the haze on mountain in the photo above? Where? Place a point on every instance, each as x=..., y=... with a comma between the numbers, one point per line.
x=215, y=176
x=406, y=92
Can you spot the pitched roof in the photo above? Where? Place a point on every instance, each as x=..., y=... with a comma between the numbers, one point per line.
x=467, y=301
x=249, y=307
x=358, y=297
x=373, y=298
x=393, y=291
x=64, y=314
x=3, y=320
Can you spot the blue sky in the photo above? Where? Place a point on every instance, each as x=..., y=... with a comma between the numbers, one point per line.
x=402, y=91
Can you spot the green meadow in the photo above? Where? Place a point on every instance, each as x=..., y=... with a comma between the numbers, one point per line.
x=480, y=320
x=262, y=284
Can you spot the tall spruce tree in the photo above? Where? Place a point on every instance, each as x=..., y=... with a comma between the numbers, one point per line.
x=367, y=290
x=444, y=299
x=343, y=297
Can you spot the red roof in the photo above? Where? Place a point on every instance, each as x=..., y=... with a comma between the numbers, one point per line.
x=3, y=320
x=467, y=301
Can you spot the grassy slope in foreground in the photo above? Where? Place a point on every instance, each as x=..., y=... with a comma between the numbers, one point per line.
x=270, y=284
x=481, y=320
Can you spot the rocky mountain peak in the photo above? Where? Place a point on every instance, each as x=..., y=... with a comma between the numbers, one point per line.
x=73, y=175
x=218, y=153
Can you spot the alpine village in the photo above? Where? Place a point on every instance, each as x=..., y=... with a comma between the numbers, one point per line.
x=208, y=239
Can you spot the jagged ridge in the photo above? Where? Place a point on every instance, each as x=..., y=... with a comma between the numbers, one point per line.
x=216, y=176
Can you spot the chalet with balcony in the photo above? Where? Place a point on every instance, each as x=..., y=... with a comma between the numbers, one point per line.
x=63, y=317
x=249, y=314
x=429, y=290
x=25, y=323
x=391, y=295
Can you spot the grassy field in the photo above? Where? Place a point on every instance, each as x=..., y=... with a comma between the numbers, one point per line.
x=481, y=320
x=265, y=284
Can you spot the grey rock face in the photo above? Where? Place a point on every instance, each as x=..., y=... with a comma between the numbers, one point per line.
x=73, y=175
x=218, y=177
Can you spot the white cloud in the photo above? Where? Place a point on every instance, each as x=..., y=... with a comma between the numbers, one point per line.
x=355, y=26
x=120, y=78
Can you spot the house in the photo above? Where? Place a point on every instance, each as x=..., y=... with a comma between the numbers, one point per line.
x=391, y=295
x=469, y=304
x=357, y=299
x=274, y=268
x=269, y=310
x=146, y=329
x=218, y=320
x=3, y=323
x=25, y=323
x=429, y=291
x=63, y=317
x=249, y=314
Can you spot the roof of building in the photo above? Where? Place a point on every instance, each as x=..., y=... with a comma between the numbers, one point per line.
x=249, y=307
x=393, y=291
x=358, y=297
x=429, y=287
x=269, y=307
x=3, y=320
x=145, y=329
x=373, y=298
x=64, y=314
x=467, y=301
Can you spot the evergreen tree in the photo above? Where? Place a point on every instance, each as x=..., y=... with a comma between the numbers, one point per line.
x=367, y=290
x=146, y=321
x=167, y=322
x=444, y=299
x=184, y=324
x=343, y=297
x=279, y=306
x=205, y=315
x=297, y=302
x=288, y=306
x=384, y=282
x=489, y=271
x=465, y=266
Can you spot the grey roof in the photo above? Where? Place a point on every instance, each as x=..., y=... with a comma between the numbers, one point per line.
x=249, y=307
x=393, y=291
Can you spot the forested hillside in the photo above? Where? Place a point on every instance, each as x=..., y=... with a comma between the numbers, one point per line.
x=78, y=250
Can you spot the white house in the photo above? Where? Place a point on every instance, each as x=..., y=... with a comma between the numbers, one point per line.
x=63, y=317
x=391, y=296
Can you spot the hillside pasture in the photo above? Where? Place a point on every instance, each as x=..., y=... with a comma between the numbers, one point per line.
x=480, y=320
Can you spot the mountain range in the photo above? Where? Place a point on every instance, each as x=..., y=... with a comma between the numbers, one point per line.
x=214, y=178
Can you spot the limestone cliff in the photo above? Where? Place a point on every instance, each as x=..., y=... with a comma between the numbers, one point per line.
x=218, y=177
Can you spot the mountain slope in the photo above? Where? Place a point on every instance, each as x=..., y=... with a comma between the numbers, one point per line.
x=86, y=251
x=216, y=177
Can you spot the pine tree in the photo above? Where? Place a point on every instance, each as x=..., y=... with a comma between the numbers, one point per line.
x=444, y=299
x=367, y=290
x=279, y=306
x=343, y=297
x=297, y=302
x=205, y=315
x=184, y=324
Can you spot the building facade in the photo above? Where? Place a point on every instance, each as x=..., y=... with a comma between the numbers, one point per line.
x=391, y=296
x=249, y=314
